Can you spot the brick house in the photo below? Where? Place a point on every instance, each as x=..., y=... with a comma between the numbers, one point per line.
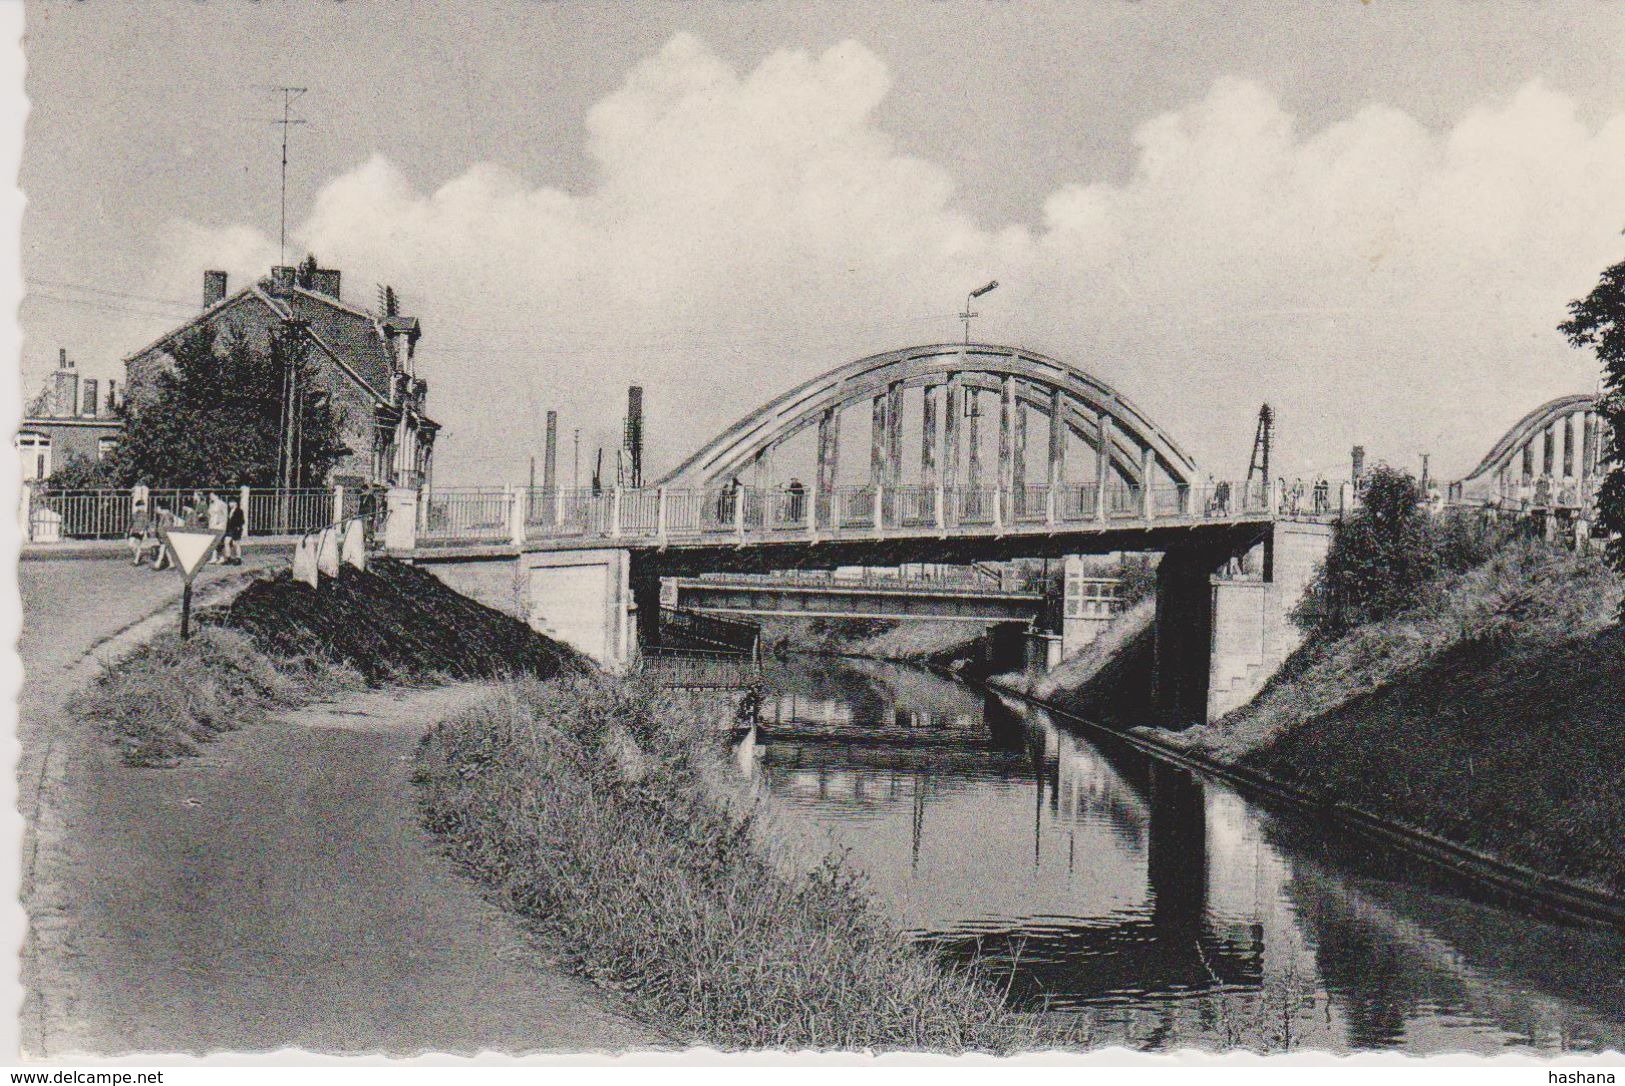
x=365, y=361
x=73, y=416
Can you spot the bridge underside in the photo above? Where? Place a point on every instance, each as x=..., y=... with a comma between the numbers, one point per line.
x=1231, y=536
x=835, y=601
x=604, y=601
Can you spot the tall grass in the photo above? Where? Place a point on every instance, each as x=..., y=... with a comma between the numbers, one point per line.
x=583, y=804
x=159, y=703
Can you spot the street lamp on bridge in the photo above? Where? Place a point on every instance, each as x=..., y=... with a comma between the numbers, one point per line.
x=969, y=313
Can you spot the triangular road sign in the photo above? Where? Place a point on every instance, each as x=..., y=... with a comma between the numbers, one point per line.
x=189, y=547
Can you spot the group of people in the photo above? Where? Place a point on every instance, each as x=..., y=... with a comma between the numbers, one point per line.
x=203, y=511
x=1302, y=497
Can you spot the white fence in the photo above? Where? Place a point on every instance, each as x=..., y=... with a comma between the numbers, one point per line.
x=59, y=516
x=516, y=515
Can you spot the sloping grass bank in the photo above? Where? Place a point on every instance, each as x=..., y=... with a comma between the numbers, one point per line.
x=1489, y=713
x=584, y=804
x=280, y=643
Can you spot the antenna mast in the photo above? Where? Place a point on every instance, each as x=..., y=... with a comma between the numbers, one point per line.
x=1263, y=437
x=289, y=96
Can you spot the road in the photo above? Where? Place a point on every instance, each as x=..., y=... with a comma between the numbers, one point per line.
x=277, y=891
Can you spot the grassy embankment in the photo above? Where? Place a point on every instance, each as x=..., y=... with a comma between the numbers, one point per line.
x=280, y=643
x=600, y=810
x=1489, y=713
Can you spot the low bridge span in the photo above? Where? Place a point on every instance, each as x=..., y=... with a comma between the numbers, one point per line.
x=878, y=599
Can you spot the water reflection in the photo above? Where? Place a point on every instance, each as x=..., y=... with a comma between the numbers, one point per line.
x=1167, y=910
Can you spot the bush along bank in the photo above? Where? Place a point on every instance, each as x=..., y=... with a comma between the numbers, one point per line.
x=281, y=643
x=583, y=804
x=1486, y=713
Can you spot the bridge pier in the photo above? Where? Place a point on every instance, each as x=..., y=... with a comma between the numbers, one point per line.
x=1183, y=633
x=1252, y=628
x=1220, y=638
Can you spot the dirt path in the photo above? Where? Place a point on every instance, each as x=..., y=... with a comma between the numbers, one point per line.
x=280, y=892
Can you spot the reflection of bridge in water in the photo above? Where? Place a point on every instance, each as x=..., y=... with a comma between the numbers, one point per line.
x=852, y=759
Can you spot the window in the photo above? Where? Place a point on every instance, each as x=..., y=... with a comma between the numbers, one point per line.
x=35, y=452
x=105, y=446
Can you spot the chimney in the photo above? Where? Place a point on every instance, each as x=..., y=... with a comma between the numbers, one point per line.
x=550, y=459
x=90, y=402
x=65, y=388
x=634, y=433
x=283, y=279
x=1358, y=458
x=112, y=396
x=214, y=288
x=325, y=281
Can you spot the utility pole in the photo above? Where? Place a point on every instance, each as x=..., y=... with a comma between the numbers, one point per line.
x=289, y=96
x=575, y=463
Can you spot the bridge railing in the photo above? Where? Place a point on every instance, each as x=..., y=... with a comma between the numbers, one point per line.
x=514, y=515
x=478, y=514
x=700, y=670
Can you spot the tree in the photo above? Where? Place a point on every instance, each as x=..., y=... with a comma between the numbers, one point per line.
x=1378, y=561
x=216, y=418
x=80, y=472
x=1597, y=321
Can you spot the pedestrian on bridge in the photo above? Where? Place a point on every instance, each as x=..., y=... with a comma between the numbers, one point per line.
x=798, y=495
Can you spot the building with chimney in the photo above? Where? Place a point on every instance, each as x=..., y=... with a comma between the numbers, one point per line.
x=365, y=361
x=73, y=416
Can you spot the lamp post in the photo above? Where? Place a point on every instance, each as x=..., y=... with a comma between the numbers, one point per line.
x=969, y=313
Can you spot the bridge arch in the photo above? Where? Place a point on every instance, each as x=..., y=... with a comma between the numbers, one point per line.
x=950, y=375
x=1557, y=449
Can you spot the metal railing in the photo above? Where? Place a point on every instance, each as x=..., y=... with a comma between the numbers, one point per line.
x=515, y=516
x=711, y=632
x=700, y=670
x=963, y=583
x=54, y=516
x=467, y=514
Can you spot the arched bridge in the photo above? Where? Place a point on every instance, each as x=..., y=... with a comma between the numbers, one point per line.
x=954, y=441
x=1551, y=458
x=951, y=453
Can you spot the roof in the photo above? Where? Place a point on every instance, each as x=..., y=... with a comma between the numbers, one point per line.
x=351, y=338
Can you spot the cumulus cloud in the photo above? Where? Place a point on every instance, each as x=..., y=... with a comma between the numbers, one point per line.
x=1376, y=280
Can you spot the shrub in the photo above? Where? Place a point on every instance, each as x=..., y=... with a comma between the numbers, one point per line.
x=1378, y=560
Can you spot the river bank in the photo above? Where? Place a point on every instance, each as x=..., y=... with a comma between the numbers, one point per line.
x=1479, y=727
x=591, y=806
x=272, y=887
x=1488, y=715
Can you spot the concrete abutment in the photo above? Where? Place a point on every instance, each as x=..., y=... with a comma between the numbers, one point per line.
x=1220, y=634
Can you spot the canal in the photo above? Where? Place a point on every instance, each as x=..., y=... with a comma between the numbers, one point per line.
x=1157, y=908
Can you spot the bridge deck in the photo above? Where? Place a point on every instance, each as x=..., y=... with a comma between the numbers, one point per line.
x=466, y=524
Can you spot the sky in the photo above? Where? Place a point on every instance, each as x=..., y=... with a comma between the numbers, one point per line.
x=1370, y=215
